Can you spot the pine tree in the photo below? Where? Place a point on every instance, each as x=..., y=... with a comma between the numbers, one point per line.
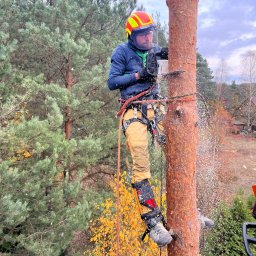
x=54, y=62
x=40, y=209
x=205, y=85
x=226, y=237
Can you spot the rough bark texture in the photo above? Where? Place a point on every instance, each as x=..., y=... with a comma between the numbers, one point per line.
x=181, y=129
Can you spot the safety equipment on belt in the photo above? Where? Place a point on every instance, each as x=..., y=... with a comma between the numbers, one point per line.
x=156, y=134
x=138, y=22
x=152, y=124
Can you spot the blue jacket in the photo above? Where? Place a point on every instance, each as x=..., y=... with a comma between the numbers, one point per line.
x=124, y=64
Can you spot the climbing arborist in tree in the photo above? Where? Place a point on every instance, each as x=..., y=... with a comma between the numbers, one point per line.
x=134, y=72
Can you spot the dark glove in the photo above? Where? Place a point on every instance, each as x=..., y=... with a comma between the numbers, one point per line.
x=152, y=65
x=163, y=54
x=144, y=74
x=149, y=73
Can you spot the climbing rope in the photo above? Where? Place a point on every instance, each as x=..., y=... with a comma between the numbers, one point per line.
x=161, y=189
x=134, y=100
x=118, y=184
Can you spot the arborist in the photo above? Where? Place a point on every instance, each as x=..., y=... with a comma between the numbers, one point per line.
x=133, y=71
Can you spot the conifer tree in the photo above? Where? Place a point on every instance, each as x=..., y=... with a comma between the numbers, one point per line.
x=226, y=238
x=54, y=57
x=205, y=84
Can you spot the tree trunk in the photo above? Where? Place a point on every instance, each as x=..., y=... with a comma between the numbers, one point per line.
x=50, y=2
x=69, y=82
x=181, y=129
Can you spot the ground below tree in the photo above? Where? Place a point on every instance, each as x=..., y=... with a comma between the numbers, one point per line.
x=237, y=156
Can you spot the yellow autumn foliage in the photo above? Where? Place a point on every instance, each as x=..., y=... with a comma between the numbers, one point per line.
x=20, y=155
x=131, y=227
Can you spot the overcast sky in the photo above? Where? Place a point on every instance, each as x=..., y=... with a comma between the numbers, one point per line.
x=226, y=29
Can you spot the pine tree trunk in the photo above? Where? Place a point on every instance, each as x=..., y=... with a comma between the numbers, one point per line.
x=50, y=2
x=69, y=84
x=181, y=129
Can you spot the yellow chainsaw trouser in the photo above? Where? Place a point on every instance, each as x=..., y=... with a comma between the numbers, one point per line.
x=137, y=142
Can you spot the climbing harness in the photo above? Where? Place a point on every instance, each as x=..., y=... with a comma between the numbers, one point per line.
x=126, y=103
x=152, y=124
x=137, y=100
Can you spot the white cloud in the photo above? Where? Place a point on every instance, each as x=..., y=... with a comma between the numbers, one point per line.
x=243, y=37
x=206, y=23
x=207, y=6
x=154, y=7
x=234, y=61
x=241, y=51
x=203, y=9
x=247, y=36
x=213, y=62
x=253, y=23
x=214, y=43
x=227, y=42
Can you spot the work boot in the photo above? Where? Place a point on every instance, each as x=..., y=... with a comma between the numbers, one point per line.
x=205, y=222
x=160, y=235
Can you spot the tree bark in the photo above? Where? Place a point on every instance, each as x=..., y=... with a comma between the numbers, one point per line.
x=181, y=129
x=69, y=82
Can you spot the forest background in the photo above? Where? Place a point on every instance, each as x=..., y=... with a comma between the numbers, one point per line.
x=58, y=133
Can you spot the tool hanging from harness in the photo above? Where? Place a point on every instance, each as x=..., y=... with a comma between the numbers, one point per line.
x=152, y=124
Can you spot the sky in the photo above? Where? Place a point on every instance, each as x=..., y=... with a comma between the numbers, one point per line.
x=226, y=30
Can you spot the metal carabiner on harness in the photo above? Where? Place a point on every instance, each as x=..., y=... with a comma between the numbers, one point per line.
x=156, y=134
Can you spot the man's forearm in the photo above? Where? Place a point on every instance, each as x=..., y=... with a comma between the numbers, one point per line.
x=118, y=82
